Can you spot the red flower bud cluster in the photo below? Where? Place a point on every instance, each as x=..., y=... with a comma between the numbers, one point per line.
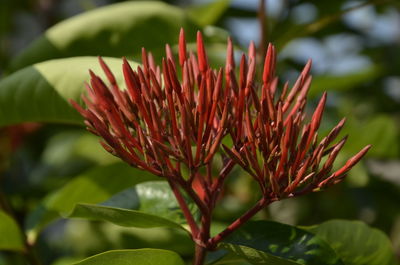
x=174, y=117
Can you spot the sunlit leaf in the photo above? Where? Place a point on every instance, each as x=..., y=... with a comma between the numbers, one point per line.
x=114, y=30
x=42, y=92
x=134, y=257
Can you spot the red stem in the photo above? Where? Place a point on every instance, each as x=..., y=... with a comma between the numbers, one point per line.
x=239, y=222
x=204, y=236
x=200, y=255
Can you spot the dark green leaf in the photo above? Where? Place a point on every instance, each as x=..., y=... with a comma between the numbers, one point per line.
x=122, y=217
x=41, y=92
x=115, y=30
x=134, y=257
x=94, y=186
x=355, y=242
x=11, y=237
x=265, y=242
x=251, y=255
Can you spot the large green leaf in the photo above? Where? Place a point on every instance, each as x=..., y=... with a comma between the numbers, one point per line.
x=152, y=197
x=95, y=186
x=134, y=257
x=356, y=243
x=115, y=30
x=10, y=235
x=41, y=92
x=265, y=242
x=122, y=217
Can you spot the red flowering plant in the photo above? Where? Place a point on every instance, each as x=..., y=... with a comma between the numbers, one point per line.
x=174, y=118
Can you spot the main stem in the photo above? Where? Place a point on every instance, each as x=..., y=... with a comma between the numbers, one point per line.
x=201, y=242
x=199, y=255
x=200, y=235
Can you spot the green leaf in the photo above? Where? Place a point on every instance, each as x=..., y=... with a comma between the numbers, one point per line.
x=209, y=13
x=153, y=197
x=11, y=237
x=94, y=186
x=252, y=255
x=41, y=92
x=122, y=217
x=157, y=198
x=265, y=242
x=115, y=30
x=355, y=242
x=134, y=257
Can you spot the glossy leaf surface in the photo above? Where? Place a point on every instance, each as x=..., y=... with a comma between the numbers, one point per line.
x=265, y=242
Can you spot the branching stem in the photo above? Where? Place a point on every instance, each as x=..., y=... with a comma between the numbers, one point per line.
x=239, y=222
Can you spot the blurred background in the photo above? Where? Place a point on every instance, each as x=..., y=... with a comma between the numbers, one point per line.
x=355, y=48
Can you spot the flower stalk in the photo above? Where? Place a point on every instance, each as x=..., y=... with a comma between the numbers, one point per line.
x=169, y=123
